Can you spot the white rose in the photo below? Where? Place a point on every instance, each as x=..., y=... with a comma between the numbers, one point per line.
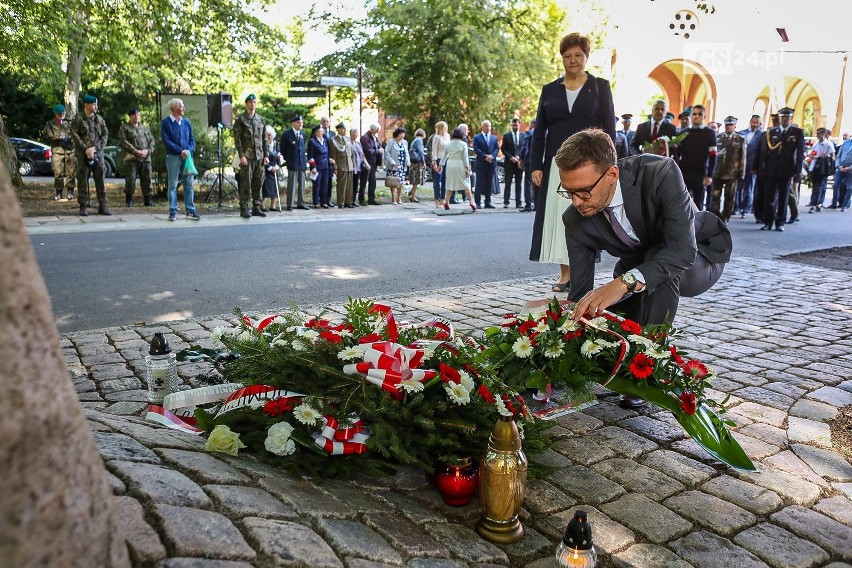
x=223, y=440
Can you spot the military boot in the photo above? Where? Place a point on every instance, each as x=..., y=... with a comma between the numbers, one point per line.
x=103, y=210
x=84, y=212
x=244, y=213
x=257, y=211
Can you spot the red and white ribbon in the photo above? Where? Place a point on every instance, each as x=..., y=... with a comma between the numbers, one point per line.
x=387, y=364
x=178, y=409
x=339, y=441
x=254, y=394
x=262, y=323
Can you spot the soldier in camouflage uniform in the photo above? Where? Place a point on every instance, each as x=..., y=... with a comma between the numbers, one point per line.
x=57, y=133
x=730, y=167
x=89, y=132
x=138, y=143
x=252, y=149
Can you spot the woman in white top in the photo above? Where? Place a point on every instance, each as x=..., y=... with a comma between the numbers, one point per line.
x=439, y=145
x=456, y=166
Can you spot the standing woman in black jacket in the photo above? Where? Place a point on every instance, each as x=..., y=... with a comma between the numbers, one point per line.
x=570, y=104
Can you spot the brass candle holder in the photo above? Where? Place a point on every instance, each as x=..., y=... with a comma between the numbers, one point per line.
x=502, y=484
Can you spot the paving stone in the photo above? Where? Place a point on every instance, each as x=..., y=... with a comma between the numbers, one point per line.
x=406, y=536
x=638, y=478
x=586, y=485
x=408, y=478
x=789, y=486
x=154, y=436
x=532, y=546
x=116, y=385
x=195, y=532
x=359, y=500
x=838, y=565
x=845, y=488
x=806, y=431
x=624, y=442
x=648, y=556
x=542, y=497
x=159, y=485
x=89, y=397
x=433, y=563
x=791, y=463
x=706, y=550
x=143, y=543
x=238, y=501
x=579, y=422
x=305, y=498
x=549, y=458
x=352, y=538
x=127, y=396
x=465, y=543
x=765, y=433
x=657, y=430
x=608, y=412
x=84, y=386
x=609, y=536
x=762, y=413
x=832, y=395
x=648, y=518
x=711, y=512
x=101, y=359
x=202, y=466
x=684, y=469
x=825, y=532
x=115, y=446
x=785, y=388
x=583, y=450
x=747, y=495
x=201, y=563
x=282, y=543
x=838, y=508
x=409, y=507
x=826, y=463
x=813, y=410
x=115, y=484
x=126, y=408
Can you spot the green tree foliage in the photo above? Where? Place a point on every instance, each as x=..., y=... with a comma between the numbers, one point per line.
x=453, y=60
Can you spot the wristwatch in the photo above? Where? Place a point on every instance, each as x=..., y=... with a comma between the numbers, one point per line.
x=630, y=281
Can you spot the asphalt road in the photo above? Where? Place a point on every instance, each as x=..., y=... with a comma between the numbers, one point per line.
x=102, y=279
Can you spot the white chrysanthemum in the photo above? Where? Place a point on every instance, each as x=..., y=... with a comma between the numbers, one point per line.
x=279, y=320
x=344, y=333
x=216, y=336
x=279, y=441
x=467, y=381
x=411, y=385
x=353, y=352
x=522, y=347
x=298, y=345
x=501, y=407
x=306, y=414
x=292, y=328
x=569, y=325
x=457, y=393
x=245, y=336
x=641, y=340
x=309, y=334
x=537, y=313
x=598, y=321
x=554, y=351
x=658, y=353
x=590, y=348
x=541, y=326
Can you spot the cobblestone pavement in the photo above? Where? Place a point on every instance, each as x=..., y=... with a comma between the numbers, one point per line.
x=777, y=333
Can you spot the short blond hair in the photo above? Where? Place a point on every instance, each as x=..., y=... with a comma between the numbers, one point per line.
x=441, y=127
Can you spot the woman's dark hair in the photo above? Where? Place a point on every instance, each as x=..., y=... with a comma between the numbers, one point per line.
x=575, y=40
x=398, y=131
x=457, y=134
x=315, y=128
x=591, y=146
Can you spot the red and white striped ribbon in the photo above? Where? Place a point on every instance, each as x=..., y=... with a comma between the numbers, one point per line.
x=386, y=364
x=345, y=441
x=178, y=409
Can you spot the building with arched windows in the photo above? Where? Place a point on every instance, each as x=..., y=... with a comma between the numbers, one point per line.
x=732, y=61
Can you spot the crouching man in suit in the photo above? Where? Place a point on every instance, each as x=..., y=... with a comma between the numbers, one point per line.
x=637, y=210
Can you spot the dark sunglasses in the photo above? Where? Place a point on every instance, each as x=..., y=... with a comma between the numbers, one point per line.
x=583, y=192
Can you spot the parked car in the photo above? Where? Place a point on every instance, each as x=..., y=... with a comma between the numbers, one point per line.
x=33, y=157
x=114, y=162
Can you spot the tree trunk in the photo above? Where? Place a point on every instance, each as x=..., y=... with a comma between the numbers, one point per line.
x=55, y=504
x=8, y=156
x=78, y=45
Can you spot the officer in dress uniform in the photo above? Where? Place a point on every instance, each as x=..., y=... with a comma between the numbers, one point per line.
x=89, y=132
x=626, y=120
x=57, y=133
x=730, y=167
x=252, y=149
x=340, y=150
x=779, y=160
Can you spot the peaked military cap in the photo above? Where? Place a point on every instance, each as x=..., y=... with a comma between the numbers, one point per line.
x=627, y=116
x=786, y=111
x=730, y=119
x=341, y=125
x=296, y=118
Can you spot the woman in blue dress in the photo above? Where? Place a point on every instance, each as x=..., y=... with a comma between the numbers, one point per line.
x=318, y=162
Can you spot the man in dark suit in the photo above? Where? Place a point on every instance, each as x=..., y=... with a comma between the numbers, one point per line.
x=745, y=187
x=779, y=162
x=373, y=155
x=485, y=147
x=525, y=155
x=512, y=164
x=296, y=159
x=649, y=131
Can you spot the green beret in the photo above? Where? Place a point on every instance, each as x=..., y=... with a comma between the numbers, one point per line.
x=251, y=97
x=90, y=99
x=58, y=109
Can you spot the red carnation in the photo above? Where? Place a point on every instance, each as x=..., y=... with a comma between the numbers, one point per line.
x=695, y=369
x=449, y=374
x=641, y=366
x=486, y=394
x=278, y=406
x=526, y=326
x=314, y=322
x=330, y=336
x=572, y=334
x=687, y=402
x=372, y=338
x=630, y=326
x=469, y=368
x=677, y=358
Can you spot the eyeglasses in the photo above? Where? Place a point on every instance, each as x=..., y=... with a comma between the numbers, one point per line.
x=583, y=192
